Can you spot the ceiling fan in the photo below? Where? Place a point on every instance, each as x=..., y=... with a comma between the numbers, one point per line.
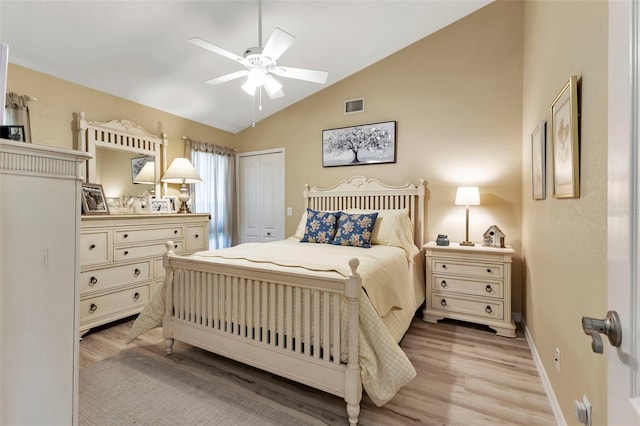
x=261, y=63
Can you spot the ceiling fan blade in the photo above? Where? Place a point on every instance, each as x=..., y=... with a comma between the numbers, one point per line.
x=227, y=77
x=273, y=87
x=215, y=49
x=302, y=74
x=278, y=42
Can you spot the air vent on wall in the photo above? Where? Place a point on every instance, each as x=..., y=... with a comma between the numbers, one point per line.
x=354, y=105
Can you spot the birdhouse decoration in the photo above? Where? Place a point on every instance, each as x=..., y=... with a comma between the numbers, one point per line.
x=493, y=237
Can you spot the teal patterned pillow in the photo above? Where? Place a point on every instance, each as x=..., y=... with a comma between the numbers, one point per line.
x=355, y=229
x=320, y=227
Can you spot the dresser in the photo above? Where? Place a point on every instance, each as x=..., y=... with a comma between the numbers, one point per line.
x=469, y=283
x=39, y=236
x=121, y=260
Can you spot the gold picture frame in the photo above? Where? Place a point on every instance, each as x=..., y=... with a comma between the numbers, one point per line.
x=565, y=141
x=538, y=161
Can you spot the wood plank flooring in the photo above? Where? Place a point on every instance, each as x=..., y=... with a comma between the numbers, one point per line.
x=466, y=376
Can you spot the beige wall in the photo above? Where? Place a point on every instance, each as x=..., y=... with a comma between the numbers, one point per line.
x=457, y=98
x=53, y=115
x=564, y=241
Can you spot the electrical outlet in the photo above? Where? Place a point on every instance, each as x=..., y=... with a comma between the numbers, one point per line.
x=556, y=359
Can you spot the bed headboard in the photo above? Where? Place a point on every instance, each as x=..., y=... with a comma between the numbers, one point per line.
x=122, y=135
x=360, y=192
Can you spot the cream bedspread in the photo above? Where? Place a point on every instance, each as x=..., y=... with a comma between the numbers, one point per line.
x=384, y=270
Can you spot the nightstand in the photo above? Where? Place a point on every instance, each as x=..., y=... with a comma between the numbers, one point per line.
x=469, y=283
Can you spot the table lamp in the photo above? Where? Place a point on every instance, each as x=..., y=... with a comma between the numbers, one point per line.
x=182, y=171
x=467, y=196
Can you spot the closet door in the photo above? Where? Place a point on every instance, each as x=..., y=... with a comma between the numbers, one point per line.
x=261, y=196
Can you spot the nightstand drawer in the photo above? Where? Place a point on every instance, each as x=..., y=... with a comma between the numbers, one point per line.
x=132, y=298
x=148, y=234
x=103, y=279
x=136, y=252
x=489, y=270
x=478, y=308
x=448, y=284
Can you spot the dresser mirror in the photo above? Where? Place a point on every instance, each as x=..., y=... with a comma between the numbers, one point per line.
x=120, y=150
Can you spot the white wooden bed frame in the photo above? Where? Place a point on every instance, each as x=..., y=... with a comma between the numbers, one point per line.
x=254, y=316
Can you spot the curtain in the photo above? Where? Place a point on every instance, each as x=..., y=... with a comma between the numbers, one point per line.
x=216, y=193
x=16, y=112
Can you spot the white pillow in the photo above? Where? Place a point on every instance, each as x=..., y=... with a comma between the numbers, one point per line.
x=301, y=225
x=393, y=228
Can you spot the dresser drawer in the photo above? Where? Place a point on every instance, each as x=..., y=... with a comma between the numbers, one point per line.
x=147, y=234
x=147, y=250
x=446, y=284
x=488, y=270
x=94, y=248
x=103, y=279
x=478, y=308
x=196, y=238
x=109, y=304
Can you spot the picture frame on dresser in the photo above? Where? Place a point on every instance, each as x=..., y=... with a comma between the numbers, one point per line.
x=93, y=199
x=159, y=206
x=565, y=141
x=538, y=161
x=173, y=203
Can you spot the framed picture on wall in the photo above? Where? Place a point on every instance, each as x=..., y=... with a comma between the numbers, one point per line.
x=359, y=145
x=564, y=141
x=538, y=161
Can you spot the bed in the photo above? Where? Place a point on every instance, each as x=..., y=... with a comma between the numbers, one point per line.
x=332, y=322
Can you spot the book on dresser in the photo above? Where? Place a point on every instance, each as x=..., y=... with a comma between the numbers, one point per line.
x=121, y=260
x=469, y=283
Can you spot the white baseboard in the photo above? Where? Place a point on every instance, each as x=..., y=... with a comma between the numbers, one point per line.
x=546, y=384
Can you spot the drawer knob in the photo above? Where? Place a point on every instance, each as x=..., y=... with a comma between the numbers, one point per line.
x=444, y=266
x=125, y=236
x=93, y=281
x=443, y=302
x=93, y=308
x=443, y=284
x=126, y=252
x=488, y=309
x=92, y=246
x=175, y=231
x=488, y=270
x=488, y=288
x=136, y=296
x=197, y=235
x=136, y=272
x=175, y=246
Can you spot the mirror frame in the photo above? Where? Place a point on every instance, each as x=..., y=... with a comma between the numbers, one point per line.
x=123, y=135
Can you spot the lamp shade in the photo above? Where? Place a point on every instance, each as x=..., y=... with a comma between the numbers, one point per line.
x=468, y=196
x=147, y=174
x=181, y=171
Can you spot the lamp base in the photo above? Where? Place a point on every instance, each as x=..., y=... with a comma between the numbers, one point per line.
x=467, y=243
x=184, y=208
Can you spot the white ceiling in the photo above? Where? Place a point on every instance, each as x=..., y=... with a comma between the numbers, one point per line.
x=138, y=49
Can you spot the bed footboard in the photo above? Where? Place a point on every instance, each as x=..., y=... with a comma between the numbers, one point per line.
x=295, y=325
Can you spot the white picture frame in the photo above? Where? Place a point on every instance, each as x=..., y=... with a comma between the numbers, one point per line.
x=159, y=206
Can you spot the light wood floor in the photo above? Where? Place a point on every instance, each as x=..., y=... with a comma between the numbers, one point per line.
x=466, y=376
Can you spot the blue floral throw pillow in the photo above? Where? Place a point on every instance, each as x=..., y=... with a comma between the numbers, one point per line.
x=355, y=230
x=320, y=227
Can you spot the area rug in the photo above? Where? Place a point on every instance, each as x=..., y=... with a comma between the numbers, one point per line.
x=142, y=388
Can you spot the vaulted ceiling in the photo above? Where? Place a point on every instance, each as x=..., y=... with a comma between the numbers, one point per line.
x=138, y=49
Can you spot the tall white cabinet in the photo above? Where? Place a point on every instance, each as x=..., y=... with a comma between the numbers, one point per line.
x=39, y=275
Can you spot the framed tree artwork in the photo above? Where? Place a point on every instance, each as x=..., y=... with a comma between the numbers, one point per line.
x=359, y=145
x=565, y=142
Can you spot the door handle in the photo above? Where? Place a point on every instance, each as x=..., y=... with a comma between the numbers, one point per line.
x=610, y=327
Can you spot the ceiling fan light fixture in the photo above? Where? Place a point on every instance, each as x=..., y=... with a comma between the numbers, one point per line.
x=249, y=87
